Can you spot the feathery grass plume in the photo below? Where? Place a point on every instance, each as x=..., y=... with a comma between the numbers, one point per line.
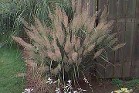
x=71, y=43
x=119, y=46
x=89, y=48
x=98, y=53
x=67, y=47
x=113, y=35
x=23, y=43
x=79, y=7
x=73, y=4
x=113, y=41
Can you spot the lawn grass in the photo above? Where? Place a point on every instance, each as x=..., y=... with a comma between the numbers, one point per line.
x=11, y=64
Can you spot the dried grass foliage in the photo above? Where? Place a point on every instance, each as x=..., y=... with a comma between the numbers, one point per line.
x=74, y=47
x=65, y=45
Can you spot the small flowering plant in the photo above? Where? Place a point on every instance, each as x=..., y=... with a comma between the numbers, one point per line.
x=28, y=90
x=50, y=81
x=123, y=90
x=66, y=88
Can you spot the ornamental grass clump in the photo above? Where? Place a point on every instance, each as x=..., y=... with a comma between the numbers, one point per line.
x=60, y=51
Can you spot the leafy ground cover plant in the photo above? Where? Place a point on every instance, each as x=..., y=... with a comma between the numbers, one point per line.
x=123, y=90
x=59, y=51
x=131, y=84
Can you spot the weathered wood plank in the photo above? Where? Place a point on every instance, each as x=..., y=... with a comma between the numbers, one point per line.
x=136, y=53
x=119, y=54
x=101, y=4
x=109, y=71
x=112, y=8
x=137, y=10
x=120, y=8
x=136, y=45
x=131, y=7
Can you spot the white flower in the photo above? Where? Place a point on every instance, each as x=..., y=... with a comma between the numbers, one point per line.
x=85, y=79
x=27, y=90
x=55, y=82
x=49, y=81
x=75, y=92
x=69, y=81
x=81, y=90
x=68, y=88
x=57, y=90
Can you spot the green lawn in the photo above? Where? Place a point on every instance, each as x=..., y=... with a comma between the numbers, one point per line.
x=11, y=64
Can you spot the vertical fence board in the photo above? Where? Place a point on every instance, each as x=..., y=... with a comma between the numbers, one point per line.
x=112, y=8
x=122, y=35
x=131, y=8
x=128, y=49
x=101, y=4
x=133, y=15
x=119, y=53
x=136, y=39
x=137, y=29
x=128, y=39
x=136, y=53
x=121, y=8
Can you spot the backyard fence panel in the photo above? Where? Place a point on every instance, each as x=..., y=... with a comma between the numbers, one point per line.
x=129, y=38
x=125, y=60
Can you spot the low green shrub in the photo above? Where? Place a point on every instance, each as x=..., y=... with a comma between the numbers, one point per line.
x=131, y=84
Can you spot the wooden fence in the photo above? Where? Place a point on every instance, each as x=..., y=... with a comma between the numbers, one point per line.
x=126, y=16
